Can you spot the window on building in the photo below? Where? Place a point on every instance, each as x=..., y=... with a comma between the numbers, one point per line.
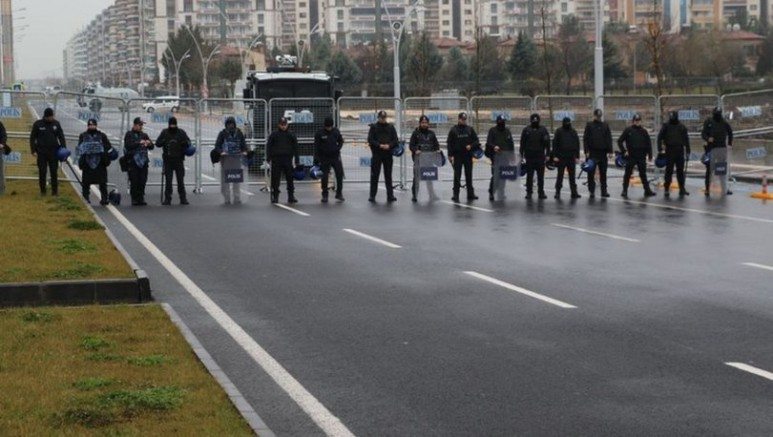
x=446, y=33
x=340, y=3
x=302, y=14
x=260, y=5
x=188, y=21
x=446, y=23
x=340, y=26
x=187, y=5
x=302, y=4
x=493, y=8
x=340, y=14
x=261, y=19
x=564, y=8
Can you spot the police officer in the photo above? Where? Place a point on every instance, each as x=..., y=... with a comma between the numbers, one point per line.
x=4, y=151
x=328, y=142
x=281, y=151
x=382, y=139
x=423, y=140
x=136, y=145
x=597, y=145
x=499, y=139
x=535, y=146
x=717, y=134
x=673, y=135
x=174, y=141
x=566, y=153
x=462, y=142
x=46, y=138
x=93, y=148
x=231, y=146
x=636, y=146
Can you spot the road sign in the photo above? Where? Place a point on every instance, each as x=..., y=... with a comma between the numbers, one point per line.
x=756, y=153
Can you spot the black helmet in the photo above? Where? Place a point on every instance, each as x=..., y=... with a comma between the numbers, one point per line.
x=423, y=118
x=673, y=116
x=535, y=118
x=230, y=121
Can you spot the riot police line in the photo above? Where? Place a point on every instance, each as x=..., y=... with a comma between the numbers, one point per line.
x=537, y=153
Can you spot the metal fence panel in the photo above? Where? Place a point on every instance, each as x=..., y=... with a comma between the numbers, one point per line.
x=305, y=117
x=251, y=118
x=619, y=111
x=18, y=110
x=693, y=109
x=355, y=115
x=156, y=114
x=485, y=109
x=750, y=113
x=553, y=109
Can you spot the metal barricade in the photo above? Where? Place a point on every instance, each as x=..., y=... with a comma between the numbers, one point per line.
x=619, y=111
x=485, y=109
x=156, y=114
x=693, y=109
x=751, y=117
x=553, y=109
x=355, y=115
x=443, y=113
x=251, y=118
x=18, y=111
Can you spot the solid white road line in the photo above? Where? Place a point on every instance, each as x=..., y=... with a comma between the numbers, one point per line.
x=463, y=205
x=699, y=211
x=523, y=291
x=246, y=192
x=751, y=369
x=372, y=238
x=601, y=234
x=759, y=266
x=301, y=213
x=329, y=423
x=208, y=177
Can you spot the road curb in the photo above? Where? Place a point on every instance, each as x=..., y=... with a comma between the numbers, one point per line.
x=257, y=424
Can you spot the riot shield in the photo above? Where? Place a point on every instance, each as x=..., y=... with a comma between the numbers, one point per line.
x=719, y=168
x=233, y=177
x=505, y=169
x=426, y=174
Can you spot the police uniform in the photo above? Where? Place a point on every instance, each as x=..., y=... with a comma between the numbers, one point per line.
x=498, y=136
x=230, y=145
x=597, y=145
x=535, y=146
x=566, y=148
x=4, y=151
x=174, y=141
x=138, y=160
x=459, y=138
x=327, y=154
x=380, y=133
x=422, y=141
x=719, y=130
x=282, y=151
x=635, y=144
x=93, y=162
x=673, y=135
x=46, y=138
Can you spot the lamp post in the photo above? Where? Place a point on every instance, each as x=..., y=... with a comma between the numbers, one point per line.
x=301, y=46
x=177, y=65
x=633, y=34
x=204, y=63
x=598, y=56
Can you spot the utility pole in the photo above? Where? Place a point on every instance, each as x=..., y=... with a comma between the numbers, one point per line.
x=142, y=48
x=598, y=56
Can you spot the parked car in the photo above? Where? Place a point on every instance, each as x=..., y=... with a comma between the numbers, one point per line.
x=163, y=103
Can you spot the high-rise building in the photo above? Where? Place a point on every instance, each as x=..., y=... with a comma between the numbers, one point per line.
x=6, y=43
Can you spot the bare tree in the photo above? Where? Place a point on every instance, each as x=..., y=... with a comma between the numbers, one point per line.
x=655, y=41
x=546, y=58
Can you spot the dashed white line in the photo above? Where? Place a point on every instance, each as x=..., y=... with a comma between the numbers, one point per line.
x=208, y=177
x=520, y=290
x=372, y=238
x=699, y=211
x=601, y=234
x=759, y=266
x=463, y=205
x=293, y=210
x=329, y=423
x=751, y=369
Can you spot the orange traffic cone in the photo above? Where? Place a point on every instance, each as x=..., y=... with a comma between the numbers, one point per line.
x=764, y=195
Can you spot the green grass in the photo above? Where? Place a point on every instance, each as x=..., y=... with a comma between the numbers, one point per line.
x=53, y=238
x=119, y=370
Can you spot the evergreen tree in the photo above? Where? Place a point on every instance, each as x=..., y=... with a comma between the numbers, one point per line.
x=523, y=59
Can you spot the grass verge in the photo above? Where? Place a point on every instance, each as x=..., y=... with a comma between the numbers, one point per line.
x=151, y=383
x=53, y=238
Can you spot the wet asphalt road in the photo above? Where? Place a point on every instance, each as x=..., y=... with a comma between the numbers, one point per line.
x=402, y=341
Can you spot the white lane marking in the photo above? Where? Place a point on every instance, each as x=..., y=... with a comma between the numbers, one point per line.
x=751, y=369
x=301, y=213
x=602, y=234
x=247, y=192
x=759, y=266
x=208, y=177
x=518, y=289
x=330, y=424
x=699, y=211
x=372, y=238
x=463, y=205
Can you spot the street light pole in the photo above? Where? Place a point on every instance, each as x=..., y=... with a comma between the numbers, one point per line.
x=598, y=56
x=177, y=64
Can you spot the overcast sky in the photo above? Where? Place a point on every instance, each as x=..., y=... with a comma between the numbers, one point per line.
x=50, y=24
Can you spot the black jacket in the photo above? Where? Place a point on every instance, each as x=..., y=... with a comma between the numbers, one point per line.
x=131, y=144
x=597, y=137
x=173, y=143
x=720, y=131
x=423, y=141
x=95, y=136
x=635, y=140
x=566, y=143
x=3, y=134
x=499, y=137
x=382, y=133
x=675, y=138
x=535, y=140
x=459, y=137
x=282, y=144
x=46, y=138
x=327, y=145
x=231, y=136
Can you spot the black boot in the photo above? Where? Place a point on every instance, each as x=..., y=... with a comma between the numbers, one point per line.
x=274, y=198
x=624, y=194
x=542, y=195
x=575, y=195
x=557, y=196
